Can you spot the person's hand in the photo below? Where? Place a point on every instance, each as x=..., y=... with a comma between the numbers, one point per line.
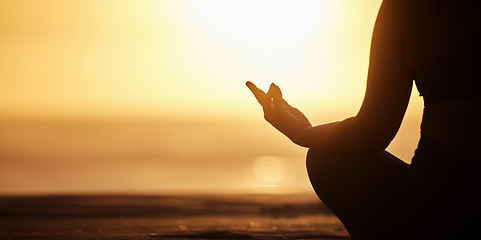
x=285, y=118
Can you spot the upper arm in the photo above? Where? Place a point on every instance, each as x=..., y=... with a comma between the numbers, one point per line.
x=387, y=94
x=389, y=83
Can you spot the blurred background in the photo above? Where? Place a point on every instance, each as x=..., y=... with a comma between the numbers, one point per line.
x=110, y=96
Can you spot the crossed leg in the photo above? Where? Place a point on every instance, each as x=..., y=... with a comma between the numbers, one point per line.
x=376, y=196
x=357, y=187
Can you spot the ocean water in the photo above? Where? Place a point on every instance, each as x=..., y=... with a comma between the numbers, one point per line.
x=154, y=156
x=58, y=156
x=189, y=179
x=187, y=216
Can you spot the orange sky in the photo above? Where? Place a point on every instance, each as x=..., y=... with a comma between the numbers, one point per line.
x=157, y=57
x=183, y=59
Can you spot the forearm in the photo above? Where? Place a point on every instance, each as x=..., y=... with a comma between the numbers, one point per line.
x=347, y=136
x=325, y=137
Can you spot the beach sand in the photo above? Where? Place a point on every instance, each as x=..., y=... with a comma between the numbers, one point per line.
x=225, y=216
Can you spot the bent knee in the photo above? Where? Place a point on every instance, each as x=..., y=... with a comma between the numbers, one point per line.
x=312, y=158
x=320, y=163
x=318, y=159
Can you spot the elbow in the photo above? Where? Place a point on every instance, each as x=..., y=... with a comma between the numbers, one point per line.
x=350, y=136
x=376, y=136
x=378, y=147
x=368, y=139
x=377, y=143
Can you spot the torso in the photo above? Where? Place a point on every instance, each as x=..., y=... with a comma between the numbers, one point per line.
x=442, y=52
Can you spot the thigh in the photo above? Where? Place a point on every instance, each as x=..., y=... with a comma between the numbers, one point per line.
x=354, y=186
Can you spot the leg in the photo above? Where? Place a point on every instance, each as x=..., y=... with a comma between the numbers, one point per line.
x=351, y=185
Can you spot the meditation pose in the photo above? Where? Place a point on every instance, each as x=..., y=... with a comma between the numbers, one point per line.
x=436, y=45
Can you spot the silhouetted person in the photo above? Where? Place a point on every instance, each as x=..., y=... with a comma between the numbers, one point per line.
x=376, y=195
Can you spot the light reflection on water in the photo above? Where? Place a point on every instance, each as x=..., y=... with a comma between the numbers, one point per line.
x=159, y=156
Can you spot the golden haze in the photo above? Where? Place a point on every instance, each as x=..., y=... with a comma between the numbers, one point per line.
x=150, y=96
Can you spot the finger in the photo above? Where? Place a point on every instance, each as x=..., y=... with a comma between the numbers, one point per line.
x=258, y=93
x=277, y=96
x=276, y=91
x=270, y=92
x=268, y=106
x=265, y=102
x=282, y=108
x=279, y=103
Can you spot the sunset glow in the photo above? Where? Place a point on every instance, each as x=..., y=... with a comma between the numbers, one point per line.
x=149, y=95
x=109, y=58
x=268, y=171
